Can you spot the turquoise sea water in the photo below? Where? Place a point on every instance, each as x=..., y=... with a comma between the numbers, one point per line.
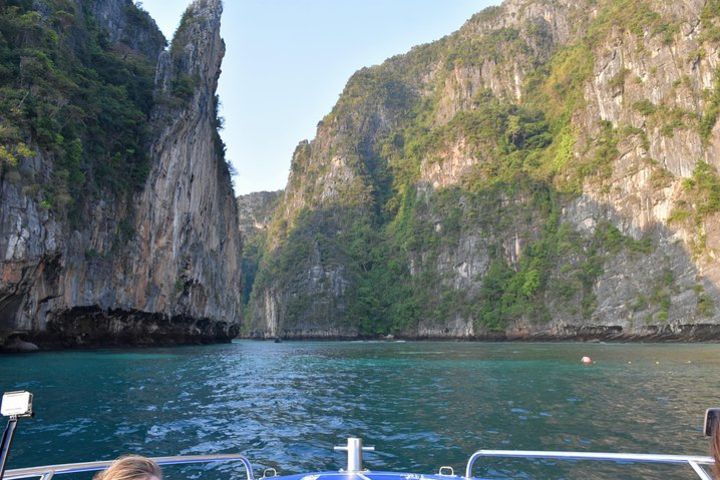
x=422, y=405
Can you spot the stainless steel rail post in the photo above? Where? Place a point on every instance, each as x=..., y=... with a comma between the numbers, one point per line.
x=354, y=449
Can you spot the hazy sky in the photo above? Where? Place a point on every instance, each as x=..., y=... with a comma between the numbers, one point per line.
x=288, y=60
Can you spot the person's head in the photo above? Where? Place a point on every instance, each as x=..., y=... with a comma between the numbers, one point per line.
x=713, y=429
x=131, y=467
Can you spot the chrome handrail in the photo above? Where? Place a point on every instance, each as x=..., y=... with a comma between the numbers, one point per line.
x=693, y=461
x=48, y=471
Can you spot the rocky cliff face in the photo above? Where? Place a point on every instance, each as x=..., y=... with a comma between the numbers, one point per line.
x=254, y=216
x=548, y=171
x=158, y=262
x=128, y=26
x=255, y=212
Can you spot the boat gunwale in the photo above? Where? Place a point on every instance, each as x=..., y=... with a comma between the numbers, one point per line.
x=694, y=461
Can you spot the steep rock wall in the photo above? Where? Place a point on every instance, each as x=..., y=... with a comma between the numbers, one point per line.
x=160, y=264
x=255, y=212
x=188, y=244
x=548, y=171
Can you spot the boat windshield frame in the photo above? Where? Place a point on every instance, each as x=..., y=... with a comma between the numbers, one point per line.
x=694, y=461
x=48, y=471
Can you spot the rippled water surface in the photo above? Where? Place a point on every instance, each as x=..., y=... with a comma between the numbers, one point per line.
x=422, y=405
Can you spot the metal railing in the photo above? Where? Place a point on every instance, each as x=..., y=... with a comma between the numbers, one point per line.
x=48, y=471
x=693, y=461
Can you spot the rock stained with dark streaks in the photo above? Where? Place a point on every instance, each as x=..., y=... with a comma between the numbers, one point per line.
x=160, y=265
x=548, y=171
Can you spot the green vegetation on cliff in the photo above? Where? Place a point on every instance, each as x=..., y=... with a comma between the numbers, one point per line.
x=700, y=200
x=68, y=94
x=467, y=156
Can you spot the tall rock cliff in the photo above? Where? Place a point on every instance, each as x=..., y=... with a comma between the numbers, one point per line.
x=550, y=170
x=117, y=218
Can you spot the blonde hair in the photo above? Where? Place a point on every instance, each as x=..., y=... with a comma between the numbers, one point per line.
x=130, y=467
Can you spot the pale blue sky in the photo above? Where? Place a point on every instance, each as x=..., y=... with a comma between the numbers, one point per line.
x=288, y=60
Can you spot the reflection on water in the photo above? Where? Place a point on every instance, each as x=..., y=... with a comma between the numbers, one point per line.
x=421, y=404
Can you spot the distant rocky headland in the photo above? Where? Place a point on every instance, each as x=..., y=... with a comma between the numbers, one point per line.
x=548, y=171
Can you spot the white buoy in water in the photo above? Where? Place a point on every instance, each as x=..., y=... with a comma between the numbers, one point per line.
x=586, y=360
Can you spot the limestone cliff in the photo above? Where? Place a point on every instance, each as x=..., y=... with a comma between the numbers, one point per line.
x=254, y=217
x=255, y=212
x=128, y=232
x=550, y=170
